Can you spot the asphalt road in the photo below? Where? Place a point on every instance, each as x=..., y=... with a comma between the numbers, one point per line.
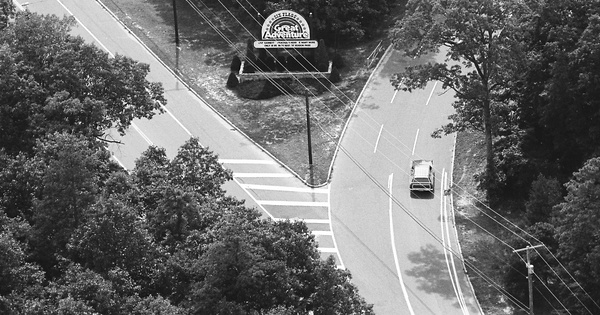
x=399, y=246
x=258, y=178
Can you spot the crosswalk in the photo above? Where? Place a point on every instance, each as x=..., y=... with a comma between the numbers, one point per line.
x=283, y=197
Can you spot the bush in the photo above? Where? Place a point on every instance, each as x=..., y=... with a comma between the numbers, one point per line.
x=232, y=81
x=338, y=61
x=236, y=63
x=281, y=64
x=544, y=194
x=335, y=77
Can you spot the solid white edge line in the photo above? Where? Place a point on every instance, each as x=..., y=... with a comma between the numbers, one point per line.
x=393, y=97
x=341, y=262
x=415, y=143
x=446, y=240
x=378, y=137
x=461, y=298
x=395, y=252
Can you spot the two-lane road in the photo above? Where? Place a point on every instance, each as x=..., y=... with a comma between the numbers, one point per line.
x=399, y=246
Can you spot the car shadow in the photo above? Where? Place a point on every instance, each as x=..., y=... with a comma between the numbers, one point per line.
x=421, y=195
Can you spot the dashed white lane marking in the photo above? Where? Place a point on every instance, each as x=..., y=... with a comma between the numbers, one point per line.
x=415, y=144
x=430, y=94
x=378, y=137
x=285, y=188
x=393, y=97
x=240, y=161
x=292, y=203
x=262, y=175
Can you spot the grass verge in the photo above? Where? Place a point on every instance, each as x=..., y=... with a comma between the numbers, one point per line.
x=476, y=225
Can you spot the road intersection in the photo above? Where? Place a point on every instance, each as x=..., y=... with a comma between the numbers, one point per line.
x=401, y=249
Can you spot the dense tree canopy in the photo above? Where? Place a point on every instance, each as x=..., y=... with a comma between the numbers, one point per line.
x=51, y=81
x=577, y=220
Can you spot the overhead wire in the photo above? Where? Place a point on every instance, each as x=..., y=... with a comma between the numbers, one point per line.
x=285, y=92
x=423, y=226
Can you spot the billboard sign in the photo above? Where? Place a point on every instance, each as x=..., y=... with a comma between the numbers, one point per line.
x=285, y=29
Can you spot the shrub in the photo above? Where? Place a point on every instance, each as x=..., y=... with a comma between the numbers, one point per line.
x=236, y=63
x=232, y=81
x=338, y=61
x=335, y=77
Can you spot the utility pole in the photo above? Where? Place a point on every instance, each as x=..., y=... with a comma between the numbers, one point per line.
x=310, y=157
x=529, y=273
x=176, y=35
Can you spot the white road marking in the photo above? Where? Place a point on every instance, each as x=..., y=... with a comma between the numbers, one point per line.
x=430, y=94
x=262, y=175
x=313, y=221
x=415, y=143
x=339, y=256
x=327, y=249
x=410, y=309
x=285, y=188
x=445, y=226
x=329, y=233
x=241, y=161
x=141, y=133
x=292, y=203
x=393, y=97
x=378, y=137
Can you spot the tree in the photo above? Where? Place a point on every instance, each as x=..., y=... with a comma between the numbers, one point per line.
x=68, y=187
x=20, y=280
x=52, y=81
x=113, y=236
x=544, y=194
x=481, y=42
x=558, y=96
x=7, y=11
x=577, y=221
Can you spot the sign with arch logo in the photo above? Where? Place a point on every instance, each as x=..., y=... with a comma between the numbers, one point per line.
x=285, y=29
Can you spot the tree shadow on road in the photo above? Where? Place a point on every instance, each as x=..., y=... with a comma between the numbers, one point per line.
x=431, y=272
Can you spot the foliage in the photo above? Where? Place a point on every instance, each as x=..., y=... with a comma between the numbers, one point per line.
x=544, y=194
x=236, y=63
x=52, y=82
x=339, y=21
x=7, y=11
x=558, y=95
x=577, y=220
x=335, y=77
